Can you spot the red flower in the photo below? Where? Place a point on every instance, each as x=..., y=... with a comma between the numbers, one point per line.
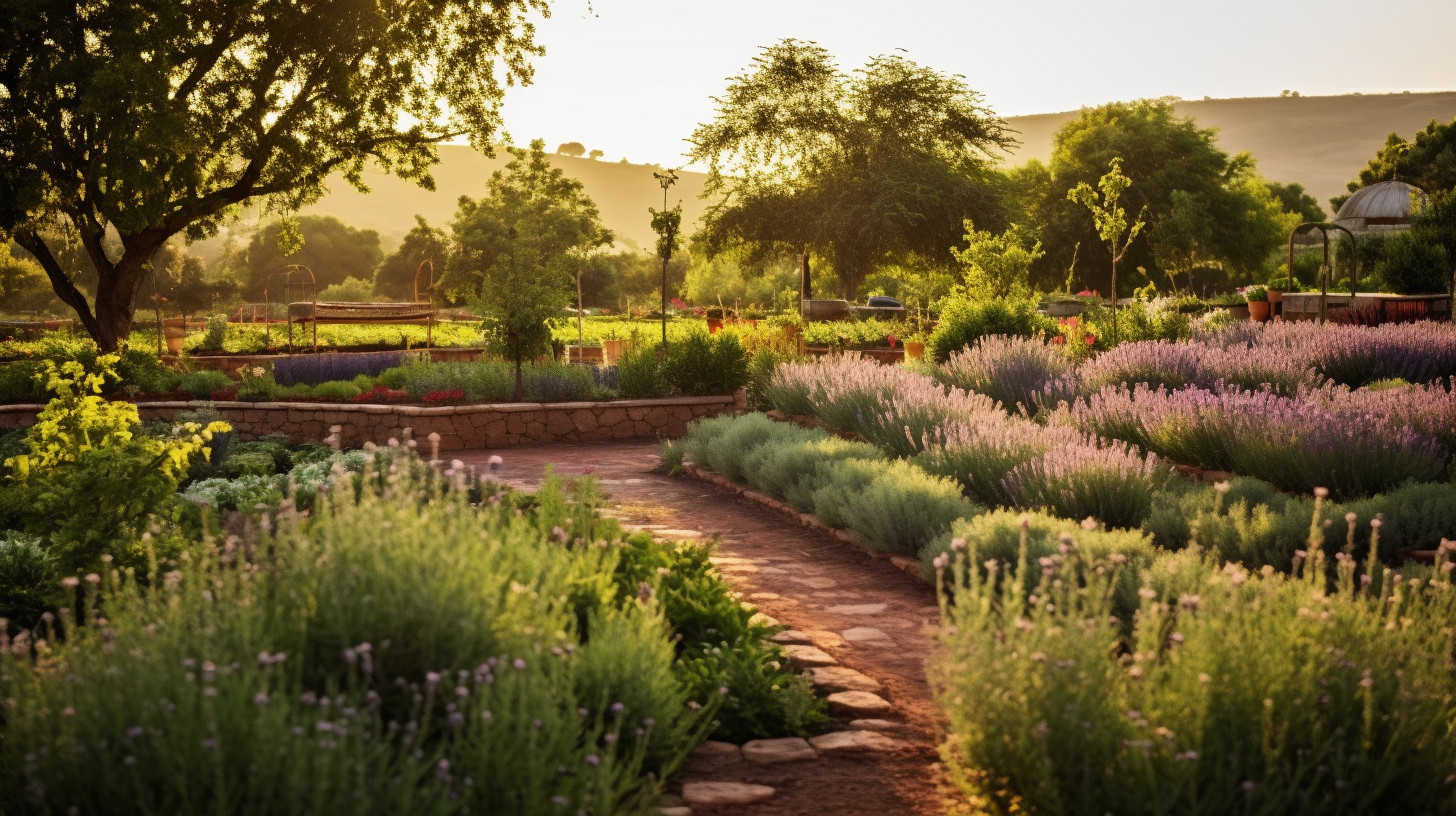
x=1091, y=340
x=1059, y=340
x=893, y=340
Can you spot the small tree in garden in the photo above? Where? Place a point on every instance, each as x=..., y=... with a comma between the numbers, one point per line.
x=517, y=249
x=1111, y=219
x=998, y=265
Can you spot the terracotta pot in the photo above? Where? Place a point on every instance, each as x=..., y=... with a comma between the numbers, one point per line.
x=714, y=324
x=1258, y=310
x=914, y=350
x=1275, y=295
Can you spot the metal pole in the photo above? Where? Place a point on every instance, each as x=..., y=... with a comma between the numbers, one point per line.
x=665, y=183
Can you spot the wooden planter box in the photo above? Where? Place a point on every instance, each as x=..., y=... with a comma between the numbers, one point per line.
x=584, y=354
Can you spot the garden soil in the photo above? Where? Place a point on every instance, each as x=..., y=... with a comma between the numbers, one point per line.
x=810, y=582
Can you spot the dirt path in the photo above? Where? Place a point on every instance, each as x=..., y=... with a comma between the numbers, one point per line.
x=864, y=613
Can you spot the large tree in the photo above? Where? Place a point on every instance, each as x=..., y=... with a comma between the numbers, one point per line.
x=517, y=250
x=1201, y=205
x=854, y=169
x=150, y=118
x=394, y=278
x=331, y=249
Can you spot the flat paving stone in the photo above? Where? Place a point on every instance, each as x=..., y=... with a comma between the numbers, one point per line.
x=876, y=725
x=765, y=596
x=765, y=620
x=679, y=534
x=679, y=810
x=809, y=656
x=787, y=749
x=715, y=750
x=716, y=794
x=825, y=639
x=857, y=609
x=790, y=636
x=863, y=634
x=814, y=583
x=839, y=678
x=838, y=741
x=858, y=703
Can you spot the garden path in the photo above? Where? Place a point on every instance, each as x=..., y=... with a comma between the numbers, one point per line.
x=846, y=609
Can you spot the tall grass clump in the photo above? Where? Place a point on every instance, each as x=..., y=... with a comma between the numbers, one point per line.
x=1111, y=482
x=398, y=651
x=1227, y=691
x=1018, y=372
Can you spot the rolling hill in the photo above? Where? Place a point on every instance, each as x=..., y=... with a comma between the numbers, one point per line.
x=1320, y=142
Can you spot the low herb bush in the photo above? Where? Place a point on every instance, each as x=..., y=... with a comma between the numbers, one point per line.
x=492, y=381
x=200, y=385
x=701, y=365
x=1109, y=482
x=722, y=444
x=400, y=650
x=892, y=506
x=797, y=465
x=1228, y=692
x=997, y=539
x=1020, y=373
x=336, y=391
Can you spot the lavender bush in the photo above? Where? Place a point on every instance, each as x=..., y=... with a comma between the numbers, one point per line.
x=1020, y=373
x=312, y=369
x=1295, y=444
x=399, y=651
x=1232, y=691
x=1111, y=483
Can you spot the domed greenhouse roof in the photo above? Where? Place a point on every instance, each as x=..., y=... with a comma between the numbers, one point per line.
x=1383, y=204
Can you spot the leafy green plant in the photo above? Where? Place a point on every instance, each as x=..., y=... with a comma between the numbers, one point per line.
x=28, y=579
x=964, y=321
x=200, y=385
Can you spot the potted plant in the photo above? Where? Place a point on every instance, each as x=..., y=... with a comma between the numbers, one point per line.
x=714, y=316
x=915, y=346
x=1258, y=299
x=174, y=329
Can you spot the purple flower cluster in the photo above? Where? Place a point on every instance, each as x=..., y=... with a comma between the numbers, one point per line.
x=1356, y=355
x=1183, y=365
x=1020, y=373
x=1295, y=444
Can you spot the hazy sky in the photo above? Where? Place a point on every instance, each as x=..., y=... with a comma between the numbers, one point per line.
x=634, y=77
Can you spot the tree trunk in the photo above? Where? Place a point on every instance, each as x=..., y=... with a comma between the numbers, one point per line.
x=520, y=387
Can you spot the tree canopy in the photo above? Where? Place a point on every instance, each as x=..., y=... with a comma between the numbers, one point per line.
x=1428, y=161
x=331, y=249
x=155, y=118
x=394, y=279
x=854, y=169
x=518, y=247
x=1196, y=198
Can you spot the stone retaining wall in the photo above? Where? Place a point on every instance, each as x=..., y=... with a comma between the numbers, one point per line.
x=459, y=427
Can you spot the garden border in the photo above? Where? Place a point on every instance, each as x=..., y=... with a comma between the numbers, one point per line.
x=460, y=427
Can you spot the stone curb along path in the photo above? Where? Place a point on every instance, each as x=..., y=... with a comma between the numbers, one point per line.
x=856, y=624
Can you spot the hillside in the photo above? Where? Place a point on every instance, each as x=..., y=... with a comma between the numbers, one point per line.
x=622, y=192
x=1321, y=142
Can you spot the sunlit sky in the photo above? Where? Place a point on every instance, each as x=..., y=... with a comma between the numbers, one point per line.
x=632, y=78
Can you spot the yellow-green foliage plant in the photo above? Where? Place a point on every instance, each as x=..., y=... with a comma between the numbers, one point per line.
x=1329, y=691
x=90, y=478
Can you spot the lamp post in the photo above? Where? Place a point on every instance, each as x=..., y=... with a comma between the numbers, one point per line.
x=664, y=248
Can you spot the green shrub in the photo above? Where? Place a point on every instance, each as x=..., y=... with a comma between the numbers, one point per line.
x=249, y=464
x=200, y=384
x=891, y=506
x=718, y=644
x=336, y=391
x=640, y=374
x=28, y=579
x=216, y=335
x=19, y=382
x=963, y=322
x=721, y=444
x=242, y=492
x=796, y=466
x=1231, y=692
x=143, y=371
x=1411, y=263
